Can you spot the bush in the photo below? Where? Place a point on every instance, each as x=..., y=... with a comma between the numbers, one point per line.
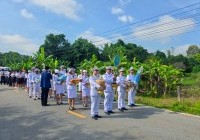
x=196, y=68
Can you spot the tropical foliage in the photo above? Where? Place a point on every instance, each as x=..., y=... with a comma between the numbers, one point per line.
x=162, y=72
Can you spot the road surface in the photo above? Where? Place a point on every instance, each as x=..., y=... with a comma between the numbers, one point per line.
x=22, y=118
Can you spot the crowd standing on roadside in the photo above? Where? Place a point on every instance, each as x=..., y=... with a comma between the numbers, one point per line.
x=41, y=85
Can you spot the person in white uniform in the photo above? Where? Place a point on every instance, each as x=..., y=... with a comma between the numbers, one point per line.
x=80, y=84
x=132, y=90
x=60, y=89
x=85, y=88
x=94, y=95
x=63, y=72
x=121, y=89
x=54, y=82
x=71, y=88
x=36, y=84
x=108, y=77
x=27, y=82
x=30, y=80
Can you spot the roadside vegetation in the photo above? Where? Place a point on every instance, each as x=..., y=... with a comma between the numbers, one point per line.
x=163, y=72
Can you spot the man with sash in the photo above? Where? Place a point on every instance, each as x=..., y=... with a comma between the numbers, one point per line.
x=108, y=77
x=95, y=96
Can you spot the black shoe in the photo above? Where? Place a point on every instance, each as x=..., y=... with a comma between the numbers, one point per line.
x=98, y=116
x=111, y=112
x=47, y=105
x=107, y=113
x=130, y=105
x=94, y=117
x=124, y=108
x=120, y=109
x=133, y=104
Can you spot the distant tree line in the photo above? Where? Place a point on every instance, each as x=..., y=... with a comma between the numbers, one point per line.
x=73, y=54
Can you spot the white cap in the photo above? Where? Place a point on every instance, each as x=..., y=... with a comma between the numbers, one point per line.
x=56, y=71
x=37, y=70
x=70, y=70
x=131, y=68
x=95, y=69
x=109, y=68
x=29, y=71
x=122, y=69
x=85, y=71
x=62, y=67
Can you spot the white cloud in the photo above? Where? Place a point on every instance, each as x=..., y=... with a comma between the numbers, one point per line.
x=96, y=40
x=125, y=18
x=181, y=49
x=17, y=43
x=166, y=27
x=124, y=2
x=26, y=14
x=68, y=8
x=116, y=10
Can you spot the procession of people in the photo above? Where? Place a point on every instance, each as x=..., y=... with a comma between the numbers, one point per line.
x=91, y=88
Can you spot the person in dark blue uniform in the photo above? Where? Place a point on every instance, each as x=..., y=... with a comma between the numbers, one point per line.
x=45, y=85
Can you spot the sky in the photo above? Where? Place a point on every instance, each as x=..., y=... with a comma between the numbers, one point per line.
x=153, y=24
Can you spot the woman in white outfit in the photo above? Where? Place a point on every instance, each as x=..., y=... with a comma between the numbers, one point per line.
x=71, y=88
x=80, y=84
x=36, y=84
x=55, y=87
x=85, y=88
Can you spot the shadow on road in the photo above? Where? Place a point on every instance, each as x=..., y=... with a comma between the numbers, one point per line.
x=18, y=123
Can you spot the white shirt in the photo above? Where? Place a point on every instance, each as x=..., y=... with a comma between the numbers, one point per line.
x=69, y=84
x=108, y=78
x=36, y=78
x=85, y=81
x=121, y=83
x=130, y=77
x=93, y=85
x=30, y=77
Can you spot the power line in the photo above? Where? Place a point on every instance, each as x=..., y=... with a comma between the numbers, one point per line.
x=104, y=35
x=125, y=34
x=149, y=18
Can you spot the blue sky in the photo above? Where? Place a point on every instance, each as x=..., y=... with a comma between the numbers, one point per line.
x=25, y=23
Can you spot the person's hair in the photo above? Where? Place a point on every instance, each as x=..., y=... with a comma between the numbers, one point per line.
x=46, y=67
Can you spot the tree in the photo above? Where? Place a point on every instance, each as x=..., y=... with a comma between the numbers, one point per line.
x=9, y=58
x=160, y=56
x=83, y=49
x=180, y=61
x=130, y=50
x=58, y=47
x=192, y=50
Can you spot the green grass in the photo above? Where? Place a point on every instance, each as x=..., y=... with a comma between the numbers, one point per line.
x=191, y=79
x=187, y=105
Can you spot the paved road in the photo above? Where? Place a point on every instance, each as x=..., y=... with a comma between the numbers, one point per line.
x=22, y=118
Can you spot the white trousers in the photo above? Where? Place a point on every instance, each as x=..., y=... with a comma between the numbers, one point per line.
x=108, y=101
x=131, y=96
x=36, y=90
x=121, y=99
x=30, y=92
x=95, y=103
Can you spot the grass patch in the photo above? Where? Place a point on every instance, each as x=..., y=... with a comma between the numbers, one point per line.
x=188, y=105
x=191, y=79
